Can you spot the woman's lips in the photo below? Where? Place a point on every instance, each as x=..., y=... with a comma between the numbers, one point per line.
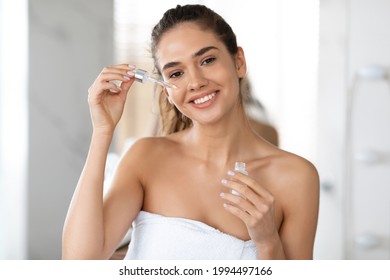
x=204, y=99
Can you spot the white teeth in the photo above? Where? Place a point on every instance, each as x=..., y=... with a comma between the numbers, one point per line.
x=204, y=99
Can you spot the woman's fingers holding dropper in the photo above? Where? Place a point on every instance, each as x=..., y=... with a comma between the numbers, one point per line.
x=110, y=77
x=115, y=78
x=123, y=70
x=129, y=76
x=107, y=96
x=125, y=85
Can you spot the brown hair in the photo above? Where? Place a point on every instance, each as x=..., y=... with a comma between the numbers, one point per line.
x=172, y=119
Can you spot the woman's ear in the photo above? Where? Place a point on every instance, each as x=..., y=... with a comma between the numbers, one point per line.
x=165, y=91
x=240, y=63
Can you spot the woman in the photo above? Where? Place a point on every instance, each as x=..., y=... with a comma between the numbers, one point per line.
x=177, y=189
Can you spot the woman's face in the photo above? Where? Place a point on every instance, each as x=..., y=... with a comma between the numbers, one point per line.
x=205, y=75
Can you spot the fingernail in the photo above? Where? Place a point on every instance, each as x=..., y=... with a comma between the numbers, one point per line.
x=235, y=192
x=131, y=65
x=130, y=73
x=230, y=173
x=126, y=78
x=222, y=194
x=224, y=181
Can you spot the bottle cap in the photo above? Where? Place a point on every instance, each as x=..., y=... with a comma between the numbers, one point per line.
x=141, y=75
x=240, y=167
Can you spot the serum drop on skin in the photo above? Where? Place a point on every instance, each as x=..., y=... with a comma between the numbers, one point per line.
x=239, y=167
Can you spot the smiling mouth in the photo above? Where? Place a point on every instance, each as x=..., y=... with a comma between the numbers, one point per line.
x=204, y=98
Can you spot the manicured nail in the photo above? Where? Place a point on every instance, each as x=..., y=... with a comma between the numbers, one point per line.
x=131, y=66
x=231, y=173
x=224, y=181
x=235, y=192
x=222, y=194
x=130, y=73
x=126, y=78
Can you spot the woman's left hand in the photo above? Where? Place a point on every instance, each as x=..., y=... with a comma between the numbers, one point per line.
x=255, y=206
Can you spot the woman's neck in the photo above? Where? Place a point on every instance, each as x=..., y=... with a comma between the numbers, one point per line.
x=222, y=142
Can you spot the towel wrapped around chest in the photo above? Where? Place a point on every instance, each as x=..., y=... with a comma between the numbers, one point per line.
x=160, y=237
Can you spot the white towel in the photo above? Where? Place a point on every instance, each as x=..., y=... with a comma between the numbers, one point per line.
x=160, y=237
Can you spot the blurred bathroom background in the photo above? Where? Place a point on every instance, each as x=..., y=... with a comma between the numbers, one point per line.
x=319, y=67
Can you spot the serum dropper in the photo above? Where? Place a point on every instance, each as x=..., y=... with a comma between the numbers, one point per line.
x=142, y=76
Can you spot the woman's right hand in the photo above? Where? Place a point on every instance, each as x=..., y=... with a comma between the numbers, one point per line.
x=107, y=100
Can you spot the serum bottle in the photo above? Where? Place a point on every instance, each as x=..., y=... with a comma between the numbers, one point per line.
x=239, y=167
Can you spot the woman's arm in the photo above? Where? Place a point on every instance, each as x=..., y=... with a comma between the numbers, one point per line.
x=300, y=210
x=84, y=234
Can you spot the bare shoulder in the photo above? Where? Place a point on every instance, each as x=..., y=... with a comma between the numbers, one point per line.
x=149, y=142
x=139, y=161
x=149, y=149
x=297, y=171
x=294, y=181
x=283, y=169
x=296, y=191
x=290, y=178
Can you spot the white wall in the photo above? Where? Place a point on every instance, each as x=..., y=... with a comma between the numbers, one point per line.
x=369, y=43
x=354, y=34
x=331, y=116
x=13, y=128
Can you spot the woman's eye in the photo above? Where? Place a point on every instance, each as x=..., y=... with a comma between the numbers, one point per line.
x=208, y=60
x=175, y=75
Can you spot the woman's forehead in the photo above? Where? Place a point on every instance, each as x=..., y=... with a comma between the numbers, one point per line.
x=184, y=40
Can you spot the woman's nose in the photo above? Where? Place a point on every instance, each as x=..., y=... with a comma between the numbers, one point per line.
x=196, y=79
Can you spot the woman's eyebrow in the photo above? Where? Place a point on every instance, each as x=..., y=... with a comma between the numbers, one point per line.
x=203, y=51
x=197, y=54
